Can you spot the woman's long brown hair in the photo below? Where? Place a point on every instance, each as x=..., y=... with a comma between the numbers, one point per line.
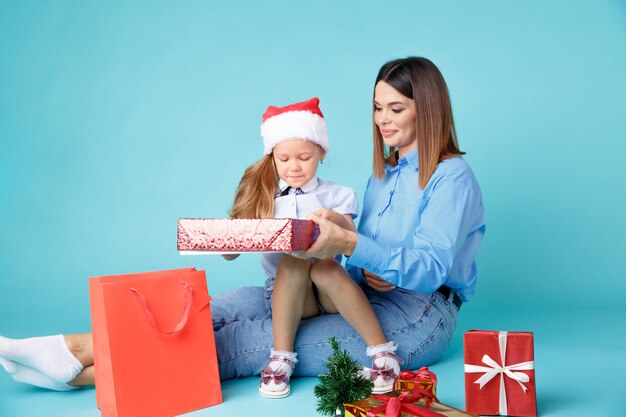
x=420, y=80
x=254, y=198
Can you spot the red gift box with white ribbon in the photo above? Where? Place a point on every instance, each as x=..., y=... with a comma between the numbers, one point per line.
x=500, y=373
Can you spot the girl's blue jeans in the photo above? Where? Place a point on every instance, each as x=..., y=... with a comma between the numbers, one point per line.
x=421, y=324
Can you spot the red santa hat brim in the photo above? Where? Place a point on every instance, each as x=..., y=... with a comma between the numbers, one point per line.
x=302, y=120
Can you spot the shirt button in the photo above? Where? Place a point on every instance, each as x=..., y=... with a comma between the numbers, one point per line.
x=367, y=266
x=292, y=204
x=376, y=270
x=390, y=192
x=380, y=214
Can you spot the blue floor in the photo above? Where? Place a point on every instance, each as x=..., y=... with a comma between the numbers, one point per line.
x=579, y=362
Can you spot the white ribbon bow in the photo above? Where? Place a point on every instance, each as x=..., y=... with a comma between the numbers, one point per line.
x=493, y=368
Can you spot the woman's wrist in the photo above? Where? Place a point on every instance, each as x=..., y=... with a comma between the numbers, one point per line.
x=350, y=241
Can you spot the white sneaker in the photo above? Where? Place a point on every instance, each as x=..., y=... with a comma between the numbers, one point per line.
x=384, y=371
x=275, y=377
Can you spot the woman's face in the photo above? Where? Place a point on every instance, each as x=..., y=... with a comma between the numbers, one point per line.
x=395, y=116
x=297, y=160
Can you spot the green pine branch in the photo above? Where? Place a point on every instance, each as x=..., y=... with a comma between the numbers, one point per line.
x=341, y=383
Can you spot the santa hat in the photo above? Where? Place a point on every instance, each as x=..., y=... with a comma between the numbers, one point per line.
x=302, y=120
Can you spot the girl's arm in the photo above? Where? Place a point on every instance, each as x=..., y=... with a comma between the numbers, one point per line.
x=338, y=233
x=348, y=219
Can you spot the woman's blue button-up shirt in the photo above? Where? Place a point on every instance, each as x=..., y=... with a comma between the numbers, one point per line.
x=421, y=239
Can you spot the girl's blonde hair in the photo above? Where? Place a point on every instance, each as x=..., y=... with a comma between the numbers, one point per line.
x=420, y=80
x=254, y=198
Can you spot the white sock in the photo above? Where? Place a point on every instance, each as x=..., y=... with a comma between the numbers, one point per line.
x=47, y=355
x=280, y=365
x=26, y=375
x=385, y=347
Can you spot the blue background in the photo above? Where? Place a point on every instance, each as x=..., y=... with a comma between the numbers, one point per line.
x=117, y=118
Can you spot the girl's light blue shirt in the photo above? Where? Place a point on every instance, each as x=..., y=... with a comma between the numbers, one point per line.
x=420, y=239
x=313, y=195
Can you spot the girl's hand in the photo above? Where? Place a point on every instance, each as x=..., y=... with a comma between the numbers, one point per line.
x=230, y=256
x=333, y=239
x=377, y=282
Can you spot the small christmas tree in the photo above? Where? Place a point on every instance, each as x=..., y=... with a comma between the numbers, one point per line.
x=341, y=384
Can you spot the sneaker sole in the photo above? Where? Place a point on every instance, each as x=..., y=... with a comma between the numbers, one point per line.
x=274, y=394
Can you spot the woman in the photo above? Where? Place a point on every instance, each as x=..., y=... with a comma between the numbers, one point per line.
x=421, y=226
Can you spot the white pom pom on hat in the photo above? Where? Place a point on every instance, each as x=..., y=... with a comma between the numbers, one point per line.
x=303, y=120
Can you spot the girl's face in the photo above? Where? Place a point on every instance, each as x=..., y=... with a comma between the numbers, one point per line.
x=296, y=161
x=395, y=116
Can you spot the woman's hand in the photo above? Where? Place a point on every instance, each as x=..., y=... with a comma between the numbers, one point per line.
x=333, y=239
x=343, y=220
x=377, y=282
x=230, y=256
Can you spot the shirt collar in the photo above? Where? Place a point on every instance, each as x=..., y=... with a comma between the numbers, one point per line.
x=306, y=188
x=409, y=159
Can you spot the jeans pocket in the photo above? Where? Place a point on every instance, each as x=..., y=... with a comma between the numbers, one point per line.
x=450, y=327
x=432, y=346
x=449, y=312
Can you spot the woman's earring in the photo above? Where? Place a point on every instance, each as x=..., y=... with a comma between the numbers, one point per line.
x=322, y=161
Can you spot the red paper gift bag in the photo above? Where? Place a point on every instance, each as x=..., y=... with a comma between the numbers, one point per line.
x=154, y=348
x=500, y=373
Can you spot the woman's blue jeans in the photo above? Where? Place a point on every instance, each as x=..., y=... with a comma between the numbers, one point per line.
x=421, y=324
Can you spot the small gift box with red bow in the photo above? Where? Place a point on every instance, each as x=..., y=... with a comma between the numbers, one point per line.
x=500, y=373
x=416, y=403
x=423, y=377
x=245, y=235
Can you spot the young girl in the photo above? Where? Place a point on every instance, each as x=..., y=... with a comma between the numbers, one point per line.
x=283, y=184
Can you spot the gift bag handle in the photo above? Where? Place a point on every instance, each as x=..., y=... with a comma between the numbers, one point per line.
x=188, y=297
